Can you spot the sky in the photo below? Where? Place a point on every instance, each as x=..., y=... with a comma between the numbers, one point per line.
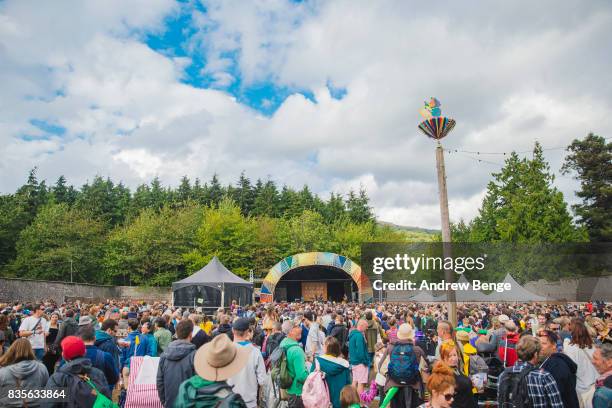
x=324, y=93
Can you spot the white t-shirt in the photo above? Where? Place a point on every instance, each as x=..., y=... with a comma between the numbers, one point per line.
x=37, y=340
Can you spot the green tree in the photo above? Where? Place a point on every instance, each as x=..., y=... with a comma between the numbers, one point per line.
x=224, y=233
x=184, y=191
x=149, y=251
x=591, y=160
x=13, y=219
x=358, y=207
x=244, y=195
x=61, y=239
x=267, y=201
x=215, y=191
x=523, y=206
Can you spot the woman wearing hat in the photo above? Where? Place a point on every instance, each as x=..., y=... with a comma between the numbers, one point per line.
x=214, y=363
x=408, y=395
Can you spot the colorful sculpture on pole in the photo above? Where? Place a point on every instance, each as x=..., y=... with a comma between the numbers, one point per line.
x=435, y=125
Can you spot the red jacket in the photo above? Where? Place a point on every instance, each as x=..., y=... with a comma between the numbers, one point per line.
x=507, y=349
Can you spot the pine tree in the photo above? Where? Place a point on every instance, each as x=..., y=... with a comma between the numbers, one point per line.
x=215, y=191
x=523, y=206
x=591, y=160
x=184, y=192
x=244, y=195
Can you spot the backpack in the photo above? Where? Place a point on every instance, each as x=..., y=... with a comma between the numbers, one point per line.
x=315, y=392
x=84, y=392
x=513, y=389
x=280, y=368
x=403, y=365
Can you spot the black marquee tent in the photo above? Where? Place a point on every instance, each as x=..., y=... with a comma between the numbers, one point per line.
x=212, y=286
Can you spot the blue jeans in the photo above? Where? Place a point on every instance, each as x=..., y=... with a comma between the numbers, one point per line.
x=39, y=353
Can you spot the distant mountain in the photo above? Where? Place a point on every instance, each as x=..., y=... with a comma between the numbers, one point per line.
x=410, y=229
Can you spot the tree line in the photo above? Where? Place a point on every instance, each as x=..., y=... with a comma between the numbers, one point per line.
x=105, y=233
x=522, y=204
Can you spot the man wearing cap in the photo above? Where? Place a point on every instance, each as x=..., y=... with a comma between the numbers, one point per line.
x=253, y=375
x=72, y=376
x=214, y=363
x=35, y=328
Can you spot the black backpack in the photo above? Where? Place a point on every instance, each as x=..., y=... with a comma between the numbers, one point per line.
x=513, y=391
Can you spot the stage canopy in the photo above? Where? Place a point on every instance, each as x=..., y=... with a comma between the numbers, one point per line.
x=212, y=286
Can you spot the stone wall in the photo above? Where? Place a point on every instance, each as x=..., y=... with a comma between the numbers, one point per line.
x=16, y=289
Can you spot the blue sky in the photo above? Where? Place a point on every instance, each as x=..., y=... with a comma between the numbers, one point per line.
x=319, y=93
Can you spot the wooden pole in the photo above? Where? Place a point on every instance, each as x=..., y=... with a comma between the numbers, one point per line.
x=446, y=235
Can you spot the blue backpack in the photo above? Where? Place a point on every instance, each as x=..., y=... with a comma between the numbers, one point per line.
x=403, y=365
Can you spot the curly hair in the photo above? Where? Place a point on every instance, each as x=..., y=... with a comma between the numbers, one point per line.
x=442, y=377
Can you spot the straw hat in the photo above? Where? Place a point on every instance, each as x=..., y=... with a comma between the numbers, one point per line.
x=220, y=359
x=405, y=332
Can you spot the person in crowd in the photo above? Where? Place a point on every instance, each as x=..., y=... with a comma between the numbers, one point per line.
x=123, y=324
x=371, y=334
x=296, y=364
x=604, y=334
x=560, y=366
x=199, y=336
x=474, y=366
x=506, y=349
x=248, y=381
x=6, y=330
x=541, y=387
x=580, y=349
x=73, y=377
x=52, y=355
x=215, y=362
x=224, y=327
x=137, y=346
x=445, y=333
x=358, y=355
x=19, y=370
x=162, y=335
x=35, y=328
x=151, y=349
x=349, y=397
x=563, y=323
x=602, y=359
x=176, y=364
x=392, y=331
x=273, y=340
x=100, y=359
x=464, y=397
x=340, y=332
x=336, y=369
x=410, y=393
x=106, y=340
x=69, y=327
x=316, y=336
x=442, y=387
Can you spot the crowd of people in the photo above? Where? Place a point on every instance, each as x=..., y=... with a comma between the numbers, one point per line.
x=310, y=354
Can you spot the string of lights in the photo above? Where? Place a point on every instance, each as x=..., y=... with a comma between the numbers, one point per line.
x=478, y=152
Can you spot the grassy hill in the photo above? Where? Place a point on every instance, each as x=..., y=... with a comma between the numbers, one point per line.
x=415, y=233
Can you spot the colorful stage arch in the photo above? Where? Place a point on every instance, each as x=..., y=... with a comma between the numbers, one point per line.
x=316, y=258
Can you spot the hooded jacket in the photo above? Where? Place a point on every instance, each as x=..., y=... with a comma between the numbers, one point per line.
x=337, y=375
x=106, y=342
x=296, y=364
x=175, y=366
x=563, y=369
x=30, y=373
x=358, y=349
x=66, y=376
x=372, y=335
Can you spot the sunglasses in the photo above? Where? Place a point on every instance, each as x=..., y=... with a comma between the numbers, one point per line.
x=449, y=397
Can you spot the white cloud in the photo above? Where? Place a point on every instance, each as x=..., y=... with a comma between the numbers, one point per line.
x=509, y=76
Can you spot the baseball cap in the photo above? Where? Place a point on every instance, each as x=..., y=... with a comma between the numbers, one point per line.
x=241, y=324
x=85, y=320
